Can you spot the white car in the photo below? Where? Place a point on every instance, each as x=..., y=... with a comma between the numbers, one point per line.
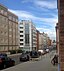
x=42, y=51
x=47, y=50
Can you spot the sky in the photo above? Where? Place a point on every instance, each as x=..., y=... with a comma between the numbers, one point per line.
x=43, y=13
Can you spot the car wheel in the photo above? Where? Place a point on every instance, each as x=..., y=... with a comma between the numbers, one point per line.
x=28, y=58
x=20, y=60
x=13, y=64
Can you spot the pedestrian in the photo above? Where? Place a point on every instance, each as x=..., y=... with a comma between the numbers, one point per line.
x=54, y=60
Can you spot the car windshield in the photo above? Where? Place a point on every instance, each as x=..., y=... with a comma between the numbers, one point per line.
x=35, y=53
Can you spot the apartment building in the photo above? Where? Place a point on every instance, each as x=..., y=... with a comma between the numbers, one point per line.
x=43, y=40
x=28, y=35
x=8, y=30
x=13, y=39
x=40, y=40
x=49, y=42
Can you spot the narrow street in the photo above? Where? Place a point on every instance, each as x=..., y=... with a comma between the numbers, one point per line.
x=43, y=64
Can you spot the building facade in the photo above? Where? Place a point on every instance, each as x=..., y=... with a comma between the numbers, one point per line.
x=28, y=35
x=61, y=33
x=41, y=41
x=44, y=40
x=8, y=30
x=38, y=39
x=49, y=42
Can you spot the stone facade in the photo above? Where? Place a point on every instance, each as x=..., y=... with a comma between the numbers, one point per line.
x=8, y=30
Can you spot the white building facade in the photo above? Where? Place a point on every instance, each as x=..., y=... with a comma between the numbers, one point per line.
x=27, y=36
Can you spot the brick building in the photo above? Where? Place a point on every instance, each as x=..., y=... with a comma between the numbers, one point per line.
x=61, y=33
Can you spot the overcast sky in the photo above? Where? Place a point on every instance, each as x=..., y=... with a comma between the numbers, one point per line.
x=43, y=13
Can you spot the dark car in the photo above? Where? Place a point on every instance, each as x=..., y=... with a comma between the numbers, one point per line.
x=3, y=54
x=6, y=62
x=25, y=57
x=34, y=54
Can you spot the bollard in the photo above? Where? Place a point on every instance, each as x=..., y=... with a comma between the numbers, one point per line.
x=58, y=66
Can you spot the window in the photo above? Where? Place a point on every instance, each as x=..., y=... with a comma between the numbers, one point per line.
x=21, y=39
x=1, y=39
x=10, y=29
x=6, y=19
x=16, y=20
x=21, y=27
x=21, y=31
x=21, y=35
x=2, y=11
x=3, y=18
x=5, y=13
x=1, y=32
x=21, y=23
x=10, y=17
x=10, y=35
x=5, y=32
x=5, y=26
x=27, y=38
x=27, y=28
x=21, y=43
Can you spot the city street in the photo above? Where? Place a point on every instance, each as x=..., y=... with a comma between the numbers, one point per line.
x=31, y=35
x=43, y=64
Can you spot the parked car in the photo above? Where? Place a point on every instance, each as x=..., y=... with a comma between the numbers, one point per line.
x=47, y=50
x=3, y=54
x=54, y=59
x=6, y=62
x=25, y=56
x=34, y=54
x=42, y=52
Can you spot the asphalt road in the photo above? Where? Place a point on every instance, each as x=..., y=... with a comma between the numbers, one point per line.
x=43, y=64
